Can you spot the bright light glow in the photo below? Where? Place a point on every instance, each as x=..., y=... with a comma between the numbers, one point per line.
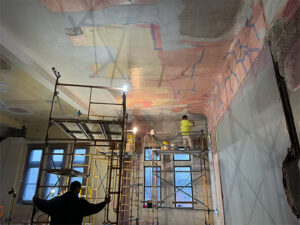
x=125, y=88
x=135, y=130
x=152, y=132
x=52, y=190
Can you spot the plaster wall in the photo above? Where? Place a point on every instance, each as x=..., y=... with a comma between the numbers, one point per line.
x=12, y=160
x=252, y=143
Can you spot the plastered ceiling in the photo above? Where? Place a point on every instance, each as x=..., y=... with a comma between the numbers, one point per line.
x=176, y=56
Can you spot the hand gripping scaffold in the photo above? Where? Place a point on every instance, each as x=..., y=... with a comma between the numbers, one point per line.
x=95, y=153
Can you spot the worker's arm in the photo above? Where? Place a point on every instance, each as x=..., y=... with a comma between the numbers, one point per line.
x=89, y=209
x=191, y=123
x=46, y=206
x=42, y=205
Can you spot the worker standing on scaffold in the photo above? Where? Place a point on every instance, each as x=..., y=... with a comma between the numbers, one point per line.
x=186, y=132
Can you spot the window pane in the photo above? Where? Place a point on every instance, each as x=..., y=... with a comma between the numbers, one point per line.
x=181, y=168
x=79, y=168
x=184, y=197
x=79, y=159
x=58, y=158
x=148, y=154
x=32, y=175
x=35, y=155
x=53, y=179
x=79, y=179
x=148, y=194
x=181, y=156
x=30, y=183
x=29, y=191
x=51, y=194
x=149, y=178
x=184, y=205
x=182, y=178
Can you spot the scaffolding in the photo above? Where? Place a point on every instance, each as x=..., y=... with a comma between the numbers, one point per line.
x=104, y=140
x=162, y=149
x=130, y=184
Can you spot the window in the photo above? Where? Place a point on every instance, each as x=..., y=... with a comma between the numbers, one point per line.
x=149, y=179
x=181, y=157
x=53, y=179
x=149, y=153
x=32, y=173
x=78, y=161
x=183, y=187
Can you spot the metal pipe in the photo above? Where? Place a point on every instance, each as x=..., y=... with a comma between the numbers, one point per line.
x=105, y=103
x=287, y=109
x=88, y=86
x=63, y=120
x=81, y=140
x=91, y=89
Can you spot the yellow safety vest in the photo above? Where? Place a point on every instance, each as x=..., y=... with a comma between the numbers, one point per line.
x=186, y=126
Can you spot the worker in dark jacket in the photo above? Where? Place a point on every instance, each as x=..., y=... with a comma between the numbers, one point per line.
x=69, y=208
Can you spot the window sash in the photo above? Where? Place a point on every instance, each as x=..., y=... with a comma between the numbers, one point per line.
x=31, y=174
x=149, y=179
x=79, y=159
x=183, y=183
x=181, y=157
x=148, y=154
x=53, y=179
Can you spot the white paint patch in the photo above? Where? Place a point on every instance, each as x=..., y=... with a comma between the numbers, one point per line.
x=262, y=33
x=272, y=7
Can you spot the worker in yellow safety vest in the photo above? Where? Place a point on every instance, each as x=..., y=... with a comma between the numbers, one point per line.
x=186, y=132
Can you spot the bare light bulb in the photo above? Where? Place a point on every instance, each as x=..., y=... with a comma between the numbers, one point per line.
x=125, y=88
x=135, y=130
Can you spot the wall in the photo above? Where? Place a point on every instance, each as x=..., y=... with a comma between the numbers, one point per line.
x=252, y=143
x=12, y=160
x=216, y=182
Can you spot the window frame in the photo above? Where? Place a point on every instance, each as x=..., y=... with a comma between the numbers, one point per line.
x=53, y=147
x=181, y=154
x=85, y=168
x=148, y=160
x=176, y=187
x=144, y=187
x=30, y=148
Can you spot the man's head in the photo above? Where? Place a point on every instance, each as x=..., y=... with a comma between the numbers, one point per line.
x=75, y=187
x=185, y=117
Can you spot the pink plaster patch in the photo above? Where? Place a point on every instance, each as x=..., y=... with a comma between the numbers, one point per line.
x=244, y=50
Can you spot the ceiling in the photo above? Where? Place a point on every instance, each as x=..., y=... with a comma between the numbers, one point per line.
x=175, y=56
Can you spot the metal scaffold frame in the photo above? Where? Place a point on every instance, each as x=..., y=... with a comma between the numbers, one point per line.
x=202, y=154
x=130, y=190
x=105, y=147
